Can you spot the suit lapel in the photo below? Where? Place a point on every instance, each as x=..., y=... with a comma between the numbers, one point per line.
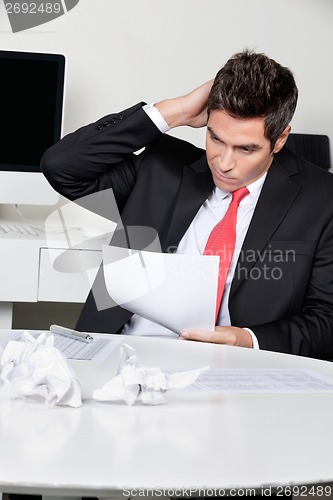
x=278, y=194
x=195, y=186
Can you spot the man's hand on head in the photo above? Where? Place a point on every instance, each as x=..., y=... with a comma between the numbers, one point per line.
x=188, y=110
x=228, y=335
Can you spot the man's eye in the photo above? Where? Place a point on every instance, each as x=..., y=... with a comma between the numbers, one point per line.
x=247, y=150
x=214, y=138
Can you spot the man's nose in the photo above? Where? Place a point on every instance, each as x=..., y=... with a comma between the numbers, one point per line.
x=226, y=160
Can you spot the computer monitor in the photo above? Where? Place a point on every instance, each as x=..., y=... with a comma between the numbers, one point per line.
x=31, y=96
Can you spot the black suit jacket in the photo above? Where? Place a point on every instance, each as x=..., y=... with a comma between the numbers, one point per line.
x=283, y=284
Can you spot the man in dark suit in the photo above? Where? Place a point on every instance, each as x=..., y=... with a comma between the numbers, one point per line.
x=279, y=289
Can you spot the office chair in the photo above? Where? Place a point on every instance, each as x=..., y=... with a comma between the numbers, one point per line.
x=311, y=147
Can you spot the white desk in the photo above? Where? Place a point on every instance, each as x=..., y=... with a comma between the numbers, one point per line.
x=58, y=265
x=194, y=441
x=30, y=271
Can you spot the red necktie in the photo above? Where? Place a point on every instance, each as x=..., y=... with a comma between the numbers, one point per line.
x=222, y=239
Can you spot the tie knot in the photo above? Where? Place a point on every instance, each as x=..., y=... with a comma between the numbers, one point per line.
x=239, y=194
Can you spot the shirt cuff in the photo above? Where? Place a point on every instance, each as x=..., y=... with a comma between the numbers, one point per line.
x=156, y=117
x=254, y=339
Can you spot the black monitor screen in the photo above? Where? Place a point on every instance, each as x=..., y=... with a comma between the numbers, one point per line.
x=31, y=96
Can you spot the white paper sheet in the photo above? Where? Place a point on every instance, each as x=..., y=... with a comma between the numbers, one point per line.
x=262, y=380
x=98, y=350
x=176, y=291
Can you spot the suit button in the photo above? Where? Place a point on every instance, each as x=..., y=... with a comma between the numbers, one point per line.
x=107, y=124
x=99, y=127
x=113, y=120
x=120, y=117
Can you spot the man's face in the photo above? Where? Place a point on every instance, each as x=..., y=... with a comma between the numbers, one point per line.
x=238, y=153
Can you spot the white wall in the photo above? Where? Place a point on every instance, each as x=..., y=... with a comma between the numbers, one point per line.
x=120, y=52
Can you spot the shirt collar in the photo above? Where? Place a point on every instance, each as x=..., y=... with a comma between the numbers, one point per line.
x=254, y=189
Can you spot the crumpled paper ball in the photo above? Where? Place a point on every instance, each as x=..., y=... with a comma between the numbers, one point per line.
x=145, y=384
x=34, y=369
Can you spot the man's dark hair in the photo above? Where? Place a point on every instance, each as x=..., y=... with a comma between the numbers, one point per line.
x=252, y=85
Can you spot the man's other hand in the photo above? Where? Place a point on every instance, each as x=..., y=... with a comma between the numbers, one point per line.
x=188, y=110
x=228, y=335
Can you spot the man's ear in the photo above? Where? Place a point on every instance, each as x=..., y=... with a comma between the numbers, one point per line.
x=282, y=139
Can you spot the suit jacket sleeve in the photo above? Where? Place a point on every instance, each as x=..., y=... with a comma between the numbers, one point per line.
x=100, y=155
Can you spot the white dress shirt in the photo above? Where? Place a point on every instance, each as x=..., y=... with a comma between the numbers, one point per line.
x=196, y=236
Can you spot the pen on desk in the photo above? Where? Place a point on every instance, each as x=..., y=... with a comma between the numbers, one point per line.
x=72, y=334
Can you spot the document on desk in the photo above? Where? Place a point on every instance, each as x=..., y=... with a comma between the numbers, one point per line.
x=98, y=350
x=176, y=291
x=262, y=380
